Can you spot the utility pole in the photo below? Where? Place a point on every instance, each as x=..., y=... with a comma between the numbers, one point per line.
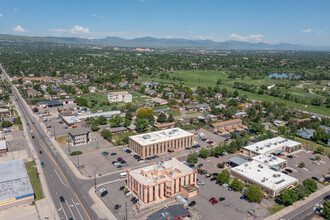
x=97, y=143
x=67, y=141
x=78, y=160
x=54, y=133
x=126, y=210
x=95, y=181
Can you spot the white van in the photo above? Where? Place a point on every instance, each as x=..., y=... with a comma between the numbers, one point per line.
x=123, y=175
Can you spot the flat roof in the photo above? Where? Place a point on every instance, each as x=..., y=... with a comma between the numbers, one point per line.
x=80, y=131
x=14, y=180
x=227, y=122
x=150, y=180
x=98, y=114
x=160, y=136
x=119, y=93
x=237, y=160
x=262, y=175
x=4, y=110
x=170, y=212
x=71, y=119
x=269, y=159
x=3, y=145
x=268, y=145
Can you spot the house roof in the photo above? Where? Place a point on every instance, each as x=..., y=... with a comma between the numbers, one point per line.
x=170, y=212
x=80, y=131
x=227, y=122
x=159, y=125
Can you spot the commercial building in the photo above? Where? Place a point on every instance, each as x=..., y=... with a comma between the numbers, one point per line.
x=15, y=185
x=3, y=147
x=160, y=142
x=174, y=212
x=271, y=160
x=68, y=101
x=275, y=146
x=122, y=96
x=226, y=127
x=50, y=104
x=162, y=180
x=270, y=181
x=80, y=136
x=4, y=112
x=107, y=114
x=71, y=121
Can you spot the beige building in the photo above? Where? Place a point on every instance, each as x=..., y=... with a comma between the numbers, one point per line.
x=226, y=127
x=122, y=96
x=162, y=180
x=80, y=136
x=160, y=142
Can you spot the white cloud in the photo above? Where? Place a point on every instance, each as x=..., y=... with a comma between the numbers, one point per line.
x=320, y=32
x=19, y=28
x=98, y=16
x=307, y=30
x=252, y=37
x=15, y=9
x=75, y=30
x=1, y=15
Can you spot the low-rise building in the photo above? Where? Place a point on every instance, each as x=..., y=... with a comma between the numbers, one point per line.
x=118, y=130
x=240, y=114
x=226, y=127
x=275, y=146
x=50, y=104
x=4, y=112
x=305, y=133
x=122, y=96
x=162, y=180
x=159, y=101
x=68, y=101
x=174, y=212
x=3, y=146
x=33, y=93
x=164, y=125
x=15, y=185
x=71, y=121
x=107, y=114
x=270, y=181
x=160, y=142
x=79, y=136
x=271, y=160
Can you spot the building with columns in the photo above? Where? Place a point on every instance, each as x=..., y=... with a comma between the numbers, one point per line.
x=162, y=180
x=160, y=142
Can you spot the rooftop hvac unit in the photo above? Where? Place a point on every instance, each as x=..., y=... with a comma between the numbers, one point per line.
x=274, y=175
x=266, y=161
x=146, y=136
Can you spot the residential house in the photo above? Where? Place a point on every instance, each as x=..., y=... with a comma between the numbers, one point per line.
x=305, y=133
x=159, y=101
x=33, y=93
x=326, y=128
x=92, y=89
x=164, y=125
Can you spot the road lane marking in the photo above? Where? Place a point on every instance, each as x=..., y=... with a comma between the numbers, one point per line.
x=82, y=206
x=69, y=208
x=77, y=209
x=63, y=211
x=60, y=178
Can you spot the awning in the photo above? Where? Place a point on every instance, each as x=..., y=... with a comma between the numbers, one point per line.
x=278, y=152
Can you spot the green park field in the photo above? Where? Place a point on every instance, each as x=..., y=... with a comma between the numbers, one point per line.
x=201, y=78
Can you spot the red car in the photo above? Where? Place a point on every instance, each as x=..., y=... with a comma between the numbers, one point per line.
x=212, y=199
x=214, y=202
x=210, y=142
x=119, y=159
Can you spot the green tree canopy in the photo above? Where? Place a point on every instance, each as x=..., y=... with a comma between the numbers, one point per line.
x=141, y=125
x=237, y=184
x=224, y=176
x=107, y=134
x=115, y=121
x=310, y=185
x=254, y=193
x=192, y=157
x=204, y=153
x=162, y=118
x=288, y=197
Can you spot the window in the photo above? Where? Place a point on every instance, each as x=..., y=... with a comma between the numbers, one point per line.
x=184, y=182
x=174, y=186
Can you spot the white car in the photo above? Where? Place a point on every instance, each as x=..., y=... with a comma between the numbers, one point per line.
x=128, y=194
x=201, y=183
x=316, y=163
x=141, y=161
x=125, y=149
x=116, y=164
x=102, y=190
x=224, y=185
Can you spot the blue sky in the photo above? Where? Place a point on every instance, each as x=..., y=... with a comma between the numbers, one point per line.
x=270, y=21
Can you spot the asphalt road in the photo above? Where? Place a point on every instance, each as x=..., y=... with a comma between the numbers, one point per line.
x=305, y=212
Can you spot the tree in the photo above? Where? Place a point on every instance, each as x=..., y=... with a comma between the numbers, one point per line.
x=218, y=150
x=144, y=112
x=254, y=193
x=310, y=185
x=102, y=120
x=318, y=158
x=319, y=150
x=192, y=157
x=115, y=121
x=316, y=101
x=302, y=165
x=127, y=123
x=82, y=101
x=224, y=176
x=162, y=118
x=204, y=153
x=288, y=197
x=151, y=119
x=129, y=116
x=107, y=134
x=6, y=124
x=94, y=127
x=141, y=125
x=326, y=210
x=237, y=184
x=170, y=118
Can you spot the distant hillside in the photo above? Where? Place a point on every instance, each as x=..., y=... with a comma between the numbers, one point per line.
x=165, y=43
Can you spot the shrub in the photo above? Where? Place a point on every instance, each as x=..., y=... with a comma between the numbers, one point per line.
x=74, y=153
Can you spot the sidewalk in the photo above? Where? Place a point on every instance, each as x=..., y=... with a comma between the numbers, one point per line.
x=99, y=207
x=280, y=214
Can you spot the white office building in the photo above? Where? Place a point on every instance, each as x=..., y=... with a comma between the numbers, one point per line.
x=121, y=96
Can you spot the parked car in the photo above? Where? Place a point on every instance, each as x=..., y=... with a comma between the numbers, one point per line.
x=117, y=207
x=222, y=198
x=201, y=183
x=119, y=159
x=126, y=165
x=128, y=151
x=119, y=166
x=288, y=170
x=213, y=178
x=212, y=199
x=315, y=178
x=224, y=185
x=169, y=158
x=49, y=126
x=121, y=188
x=230, y=188
x=128, y=193
x=113, y=154
x=102, y=190
x=285, y=172
x=105, y=153
x=40, y=152
x=214, y=202
x=316, y=163
x=327, y=198
x=207, y=175
x=214, y=174
x=192, y=203
x=140, y=161
x=200, y=165
x=243, y=197
x=65, y=127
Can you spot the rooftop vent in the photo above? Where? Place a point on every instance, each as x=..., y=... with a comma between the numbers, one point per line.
x=281, y=181
x=146, y=136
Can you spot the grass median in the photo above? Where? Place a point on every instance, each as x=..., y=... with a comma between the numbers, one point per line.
x=35, y=180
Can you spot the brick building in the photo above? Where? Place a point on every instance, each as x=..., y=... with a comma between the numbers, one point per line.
x=226, y=127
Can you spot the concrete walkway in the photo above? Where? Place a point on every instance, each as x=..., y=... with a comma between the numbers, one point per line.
x=280, y=214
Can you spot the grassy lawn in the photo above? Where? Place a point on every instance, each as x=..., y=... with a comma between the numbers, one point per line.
x=175, y=112
x=191, y=113
x=311, y=145
x=276, y=208
x=195, y=78
x=161, y=107
x=35, y=181
x=61, y=140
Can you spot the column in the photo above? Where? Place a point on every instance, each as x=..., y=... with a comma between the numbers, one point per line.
x=151, y=194
x=162, y=190
x=145, y=195
x=177, y=185
x=156, y=191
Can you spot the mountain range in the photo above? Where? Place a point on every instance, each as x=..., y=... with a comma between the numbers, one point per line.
x=173, y=43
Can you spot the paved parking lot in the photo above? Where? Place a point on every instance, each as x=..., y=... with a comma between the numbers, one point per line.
x=231, y=208
x=310, y=168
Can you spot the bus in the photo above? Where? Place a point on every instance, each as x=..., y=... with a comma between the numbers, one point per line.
x=123, y=175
